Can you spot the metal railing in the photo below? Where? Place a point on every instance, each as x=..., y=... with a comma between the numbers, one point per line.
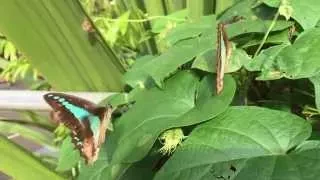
x=33, y=100
x=13, y=101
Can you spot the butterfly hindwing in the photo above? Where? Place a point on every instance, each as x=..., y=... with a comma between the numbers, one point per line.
x=86, y=120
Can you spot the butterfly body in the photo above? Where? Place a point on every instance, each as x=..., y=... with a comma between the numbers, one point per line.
x=86, y=120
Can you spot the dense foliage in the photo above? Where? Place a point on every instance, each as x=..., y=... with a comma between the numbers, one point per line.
x=172, y=123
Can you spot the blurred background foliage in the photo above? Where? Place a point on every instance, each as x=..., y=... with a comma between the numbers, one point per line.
x=130, y=29
x=94, y=44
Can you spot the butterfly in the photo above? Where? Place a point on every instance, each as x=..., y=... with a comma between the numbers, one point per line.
x=223, y=55
x=87, y=121
x=224, y=51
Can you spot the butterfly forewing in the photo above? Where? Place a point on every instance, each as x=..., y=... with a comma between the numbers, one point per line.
x=86, y=120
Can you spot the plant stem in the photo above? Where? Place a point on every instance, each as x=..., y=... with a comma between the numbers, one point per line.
x=139, y=20
x=273, y=23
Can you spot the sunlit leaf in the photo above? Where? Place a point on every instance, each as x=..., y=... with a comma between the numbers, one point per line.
x=67, y=58
x=305, y=12
x=137, y=75
x=177, y=17
x=255, y=26
x=191, y=30
x=26, y=131
x=176, y=56
x=207, y=61
x=174, y=106
x=20, y=164
x=245, y=140
x=296, y=61
x=69, y=155
x=100, y=170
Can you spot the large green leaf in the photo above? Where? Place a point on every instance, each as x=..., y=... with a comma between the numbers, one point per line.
x=174, y=18
x=243, y=8
x=222, y=5
x=158, y=110
x=207, y=61
x=264, y=63
x=27, y=132
x=102, y=169
x=50, y=34
x=98, y=171
x=301, y=59
x=19, y=164
x=255, y=26
x=69, y=155
x=186, y=45
x=191, y=30
x=305, y=12
x=273, y=38
x=296, y=61
x=155, y=111
x=160, y=67
x=144, y=169
x=247, y=143
x=252, y=19
x=208, y=105
x=137, y=74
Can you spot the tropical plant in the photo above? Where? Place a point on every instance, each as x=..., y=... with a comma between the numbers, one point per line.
x=172, y=123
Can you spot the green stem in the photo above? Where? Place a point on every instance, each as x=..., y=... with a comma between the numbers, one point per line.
x=312, y=109
x=273, y=23
x=246, y=82
x=139, y=20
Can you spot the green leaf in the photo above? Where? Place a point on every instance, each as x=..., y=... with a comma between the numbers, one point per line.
x=305, y=13
x=161, y=66
x=95, y=172
x=267, y=142
x=101, y=169
x=25, y=131
x=255, y=26
x=264, y=62
x=3, y=63
x=69, y=155
x=98, y=171
x=316, y=83
x=296, y=61
x=301, y=59
x=192, y=30
x=221, y=5
x=136, y=131
x=177, y=17
x=188, y=47
x=10, y=51
x=137, y=74
x=123, y=22
x=286, y=9
x=208, y=105
x=207, y=61
x=20, y=164
x=143, y=169
x=241, y=8
x=273, y=38
x=50, y=35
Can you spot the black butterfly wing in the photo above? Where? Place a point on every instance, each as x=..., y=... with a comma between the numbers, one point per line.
x=90, y=106
x=61, y=115
x=82, y=136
